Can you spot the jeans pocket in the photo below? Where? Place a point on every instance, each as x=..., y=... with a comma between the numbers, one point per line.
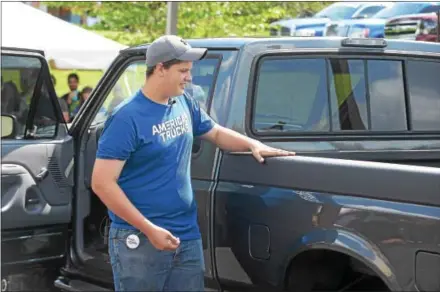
x=141, y=267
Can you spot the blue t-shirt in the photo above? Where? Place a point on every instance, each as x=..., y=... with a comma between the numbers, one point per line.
x=156, y=142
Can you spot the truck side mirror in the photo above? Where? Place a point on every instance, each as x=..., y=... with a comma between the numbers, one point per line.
x=9, y=126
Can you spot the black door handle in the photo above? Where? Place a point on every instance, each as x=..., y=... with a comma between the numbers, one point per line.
x=43, y=174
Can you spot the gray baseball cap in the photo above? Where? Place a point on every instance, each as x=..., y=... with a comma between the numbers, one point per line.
x=169, y=47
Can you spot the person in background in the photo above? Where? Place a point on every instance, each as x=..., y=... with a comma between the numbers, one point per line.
x=9, y=97
x=84, y=95
x=72, y=98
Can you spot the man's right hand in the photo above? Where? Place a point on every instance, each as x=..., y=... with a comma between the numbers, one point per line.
x=162, y=239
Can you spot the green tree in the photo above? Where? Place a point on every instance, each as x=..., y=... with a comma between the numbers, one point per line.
x=133, y=23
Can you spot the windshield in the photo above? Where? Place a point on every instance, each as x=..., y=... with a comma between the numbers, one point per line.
x=401, y=9
x=337, y=12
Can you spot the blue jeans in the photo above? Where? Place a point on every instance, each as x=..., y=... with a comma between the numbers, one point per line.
x=146, y=268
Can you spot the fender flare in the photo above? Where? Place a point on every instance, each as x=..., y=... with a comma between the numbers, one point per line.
x=347, y=243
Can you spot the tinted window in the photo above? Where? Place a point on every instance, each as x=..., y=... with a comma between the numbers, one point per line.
x=348, y=95
x=424, y=92
x=18, y=80
x=45, y=119
x=19, y=86
x=291, y=96
x=387, y=96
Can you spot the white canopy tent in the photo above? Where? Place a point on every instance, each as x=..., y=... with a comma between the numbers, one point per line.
x=65, y=45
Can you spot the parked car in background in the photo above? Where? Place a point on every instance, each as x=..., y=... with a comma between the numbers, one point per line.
x=410, y=26
x=428, y=29
x=316, y=25
x=374, y=27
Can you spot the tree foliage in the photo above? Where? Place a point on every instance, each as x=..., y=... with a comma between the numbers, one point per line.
x=133, y=23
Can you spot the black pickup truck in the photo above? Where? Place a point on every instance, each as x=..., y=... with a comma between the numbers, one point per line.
x=357, y=208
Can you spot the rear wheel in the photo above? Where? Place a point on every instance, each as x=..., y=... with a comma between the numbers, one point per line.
x=323, y=270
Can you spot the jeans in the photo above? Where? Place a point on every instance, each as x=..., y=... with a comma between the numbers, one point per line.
x=145, y=268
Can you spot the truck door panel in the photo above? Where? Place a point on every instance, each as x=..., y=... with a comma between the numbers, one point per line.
x=36, y=167
x=35, y=191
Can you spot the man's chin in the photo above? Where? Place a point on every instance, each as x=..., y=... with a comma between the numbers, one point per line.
x=179, y=92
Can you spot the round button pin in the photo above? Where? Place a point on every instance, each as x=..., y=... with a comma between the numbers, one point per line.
x=132, y=241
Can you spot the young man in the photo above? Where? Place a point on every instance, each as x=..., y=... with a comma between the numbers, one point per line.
x=71, y=99
x=142, y=174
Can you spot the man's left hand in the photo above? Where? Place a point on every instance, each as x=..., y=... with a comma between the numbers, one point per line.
x=260, y=150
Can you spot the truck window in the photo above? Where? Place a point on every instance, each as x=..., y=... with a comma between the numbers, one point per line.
x=348, y=94
x=293, y=95
x=203, y=72
x=19, y=80
x=133, y=78
x=424, y=94
x=387, y=95
x=19, y=76
x=45, y=121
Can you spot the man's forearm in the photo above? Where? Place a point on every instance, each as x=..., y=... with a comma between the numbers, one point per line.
x=116, y=200
x=233, y=141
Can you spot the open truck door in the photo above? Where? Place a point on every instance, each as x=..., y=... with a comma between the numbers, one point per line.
x=36, y=165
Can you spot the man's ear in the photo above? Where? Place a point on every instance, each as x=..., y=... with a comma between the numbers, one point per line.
x=160, y=69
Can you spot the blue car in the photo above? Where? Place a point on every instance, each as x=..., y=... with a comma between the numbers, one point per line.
x=374, y=27
x=316, y=25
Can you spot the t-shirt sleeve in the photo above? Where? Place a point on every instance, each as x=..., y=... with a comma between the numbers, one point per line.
x=118, y=139
x=202, y=122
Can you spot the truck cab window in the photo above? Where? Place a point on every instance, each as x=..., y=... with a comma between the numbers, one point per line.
x=18, y=80
x=387, y=95
x=348, y=94
x=424, y=92
x=203, y=80
x=45, y=119
x=291, y=96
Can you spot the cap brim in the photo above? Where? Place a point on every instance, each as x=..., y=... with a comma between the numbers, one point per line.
x=193, y=54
